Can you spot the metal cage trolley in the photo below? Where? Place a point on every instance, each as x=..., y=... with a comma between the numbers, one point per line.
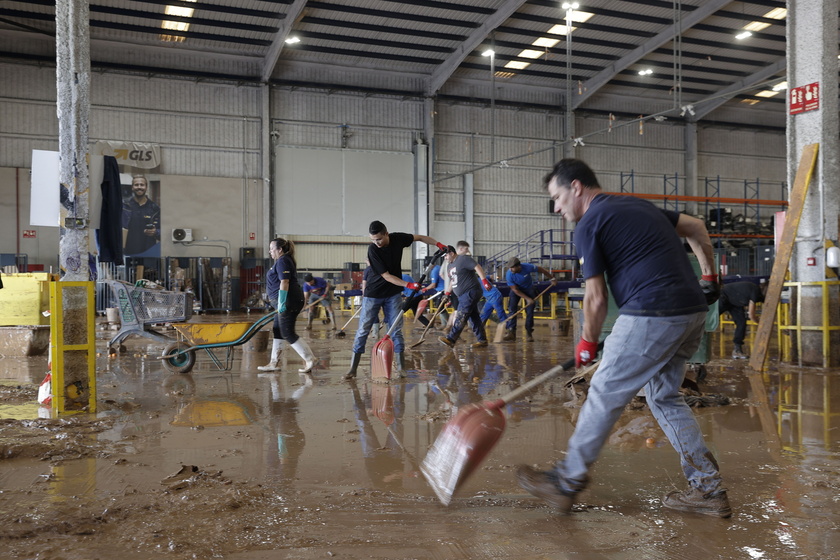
x=141, y=306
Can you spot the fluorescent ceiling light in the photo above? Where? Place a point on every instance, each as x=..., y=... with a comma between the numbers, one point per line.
x=545, y=42
x=645, y=72
x=581, y=17
x=560, y=30
x=756, y=26
x=776, y=13
x=743, y=35
x=517, y=65
x=176, y=11
x=766, y=93
x=292, y=40
x=488, y=52
x=501, y=74
x=780, y=86
x=750, y=101
x=530, y=53
x=570, y=5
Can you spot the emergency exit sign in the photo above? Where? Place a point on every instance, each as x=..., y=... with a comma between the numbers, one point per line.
x=805, y=98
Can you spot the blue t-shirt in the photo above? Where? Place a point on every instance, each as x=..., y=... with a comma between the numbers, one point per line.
x=435, y=281
x=318, y=288
x=406, y=291
x=521, y=279
x=634, y=244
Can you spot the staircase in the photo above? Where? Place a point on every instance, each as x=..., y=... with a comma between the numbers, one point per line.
x=550, y=248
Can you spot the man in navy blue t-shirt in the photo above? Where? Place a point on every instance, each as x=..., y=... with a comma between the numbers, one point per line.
x=662, y=315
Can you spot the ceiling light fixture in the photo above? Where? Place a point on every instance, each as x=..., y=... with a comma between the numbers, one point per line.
x=743, y=35
x=488, y=52
x=645, y=72
x=780, y=86
x=180, y=26
x=292, y=40
x=570, y=6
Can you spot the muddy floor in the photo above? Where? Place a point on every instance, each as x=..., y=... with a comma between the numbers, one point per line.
x=246, y=465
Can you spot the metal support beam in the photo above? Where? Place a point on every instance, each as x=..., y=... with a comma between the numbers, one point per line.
x=279, y=40
x=448, y=66
x=602, y=78
x=724, y=95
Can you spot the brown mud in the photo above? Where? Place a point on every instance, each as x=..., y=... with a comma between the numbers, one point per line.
x=246, y=465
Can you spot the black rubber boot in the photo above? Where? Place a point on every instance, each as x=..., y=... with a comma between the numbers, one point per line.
x=401, y=363
x=354, y=365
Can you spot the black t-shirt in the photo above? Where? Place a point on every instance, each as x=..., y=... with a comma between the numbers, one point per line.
x=740, y=294
x=386, y=259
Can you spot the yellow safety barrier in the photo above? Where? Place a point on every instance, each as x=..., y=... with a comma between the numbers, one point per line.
x=793, y=324
x=73, y=346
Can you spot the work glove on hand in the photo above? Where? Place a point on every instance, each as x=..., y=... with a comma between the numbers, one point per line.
x=413, y=286
x=710, y=285
x=585, y=352
x=487, y=285
x=281, y=300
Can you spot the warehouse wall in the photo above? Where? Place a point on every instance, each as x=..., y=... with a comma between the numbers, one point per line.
x=211, y=134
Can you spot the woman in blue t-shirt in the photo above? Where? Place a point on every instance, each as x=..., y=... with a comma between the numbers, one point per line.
x=285, y=295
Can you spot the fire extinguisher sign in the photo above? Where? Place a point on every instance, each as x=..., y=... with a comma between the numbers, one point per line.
x=805, y=98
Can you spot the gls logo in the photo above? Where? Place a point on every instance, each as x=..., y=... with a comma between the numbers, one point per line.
x=135, y=155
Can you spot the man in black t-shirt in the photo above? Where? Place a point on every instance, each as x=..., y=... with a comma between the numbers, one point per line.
x=384, y=288
x=734, y=298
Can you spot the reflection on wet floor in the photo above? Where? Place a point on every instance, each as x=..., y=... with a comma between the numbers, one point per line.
x=240, y=464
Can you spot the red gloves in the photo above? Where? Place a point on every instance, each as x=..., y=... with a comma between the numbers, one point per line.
x=413, y=286
x=585, y=352
x=487, y=285
x=441, y=246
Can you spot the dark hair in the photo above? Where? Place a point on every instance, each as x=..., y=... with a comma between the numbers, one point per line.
x=308, y=277
x=286, y=246
x=462, y=244
x=377, y=227
x=568, y=170
x=450, y=249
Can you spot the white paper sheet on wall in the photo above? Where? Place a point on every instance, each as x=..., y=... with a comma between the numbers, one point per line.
x=44, y=208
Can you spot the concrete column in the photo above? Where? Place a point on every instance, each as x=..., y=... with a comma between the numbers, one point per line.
x=469, y=209
x=690, y=148
x=267, y=157
x=73, y=109
x=429, y=139
x=812, y=58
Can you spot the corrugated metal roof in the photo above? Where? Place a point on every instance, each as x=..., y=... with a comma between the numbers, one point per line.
x=425, y=39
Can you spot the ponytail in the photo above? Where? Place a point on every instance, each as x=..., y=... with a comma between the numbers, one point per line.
x=288, y=248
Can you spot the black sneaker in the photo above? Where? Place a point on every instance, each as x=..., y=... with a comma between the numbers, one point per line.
x=545, y=485
x=694, y=501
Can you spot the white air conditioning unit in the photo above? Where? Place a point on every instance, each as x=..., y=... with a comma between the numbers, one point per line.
x=182, y=235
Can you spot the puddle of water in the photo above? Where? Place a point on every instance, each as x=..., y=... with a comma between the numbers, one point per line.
x=311, y=465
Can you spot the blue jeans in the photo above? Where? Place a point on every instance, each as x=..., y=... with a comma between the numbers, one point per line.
x=513, y=307
x=468, y=311
x=392, y=306
x=648, y=352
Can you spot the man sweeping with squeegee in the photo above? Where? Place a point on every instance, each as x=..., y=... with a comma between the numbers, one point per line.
x=384, y=289
x=662, y=317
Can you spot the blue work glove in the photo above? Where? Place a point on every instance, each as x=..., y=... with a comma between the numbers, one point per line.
x=281, y=300
x=710, y=285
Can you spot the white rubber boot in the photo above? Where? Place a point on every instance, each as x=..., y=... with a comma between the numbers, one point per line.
x=276, y=346
x=305, y=352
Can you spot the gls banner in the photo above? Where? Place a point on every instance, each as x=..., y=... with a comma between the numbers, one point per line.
x=133, y=154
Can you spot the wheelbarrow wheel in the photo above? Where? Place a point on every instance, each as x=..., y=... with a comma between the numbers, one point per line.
x=181, y=363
